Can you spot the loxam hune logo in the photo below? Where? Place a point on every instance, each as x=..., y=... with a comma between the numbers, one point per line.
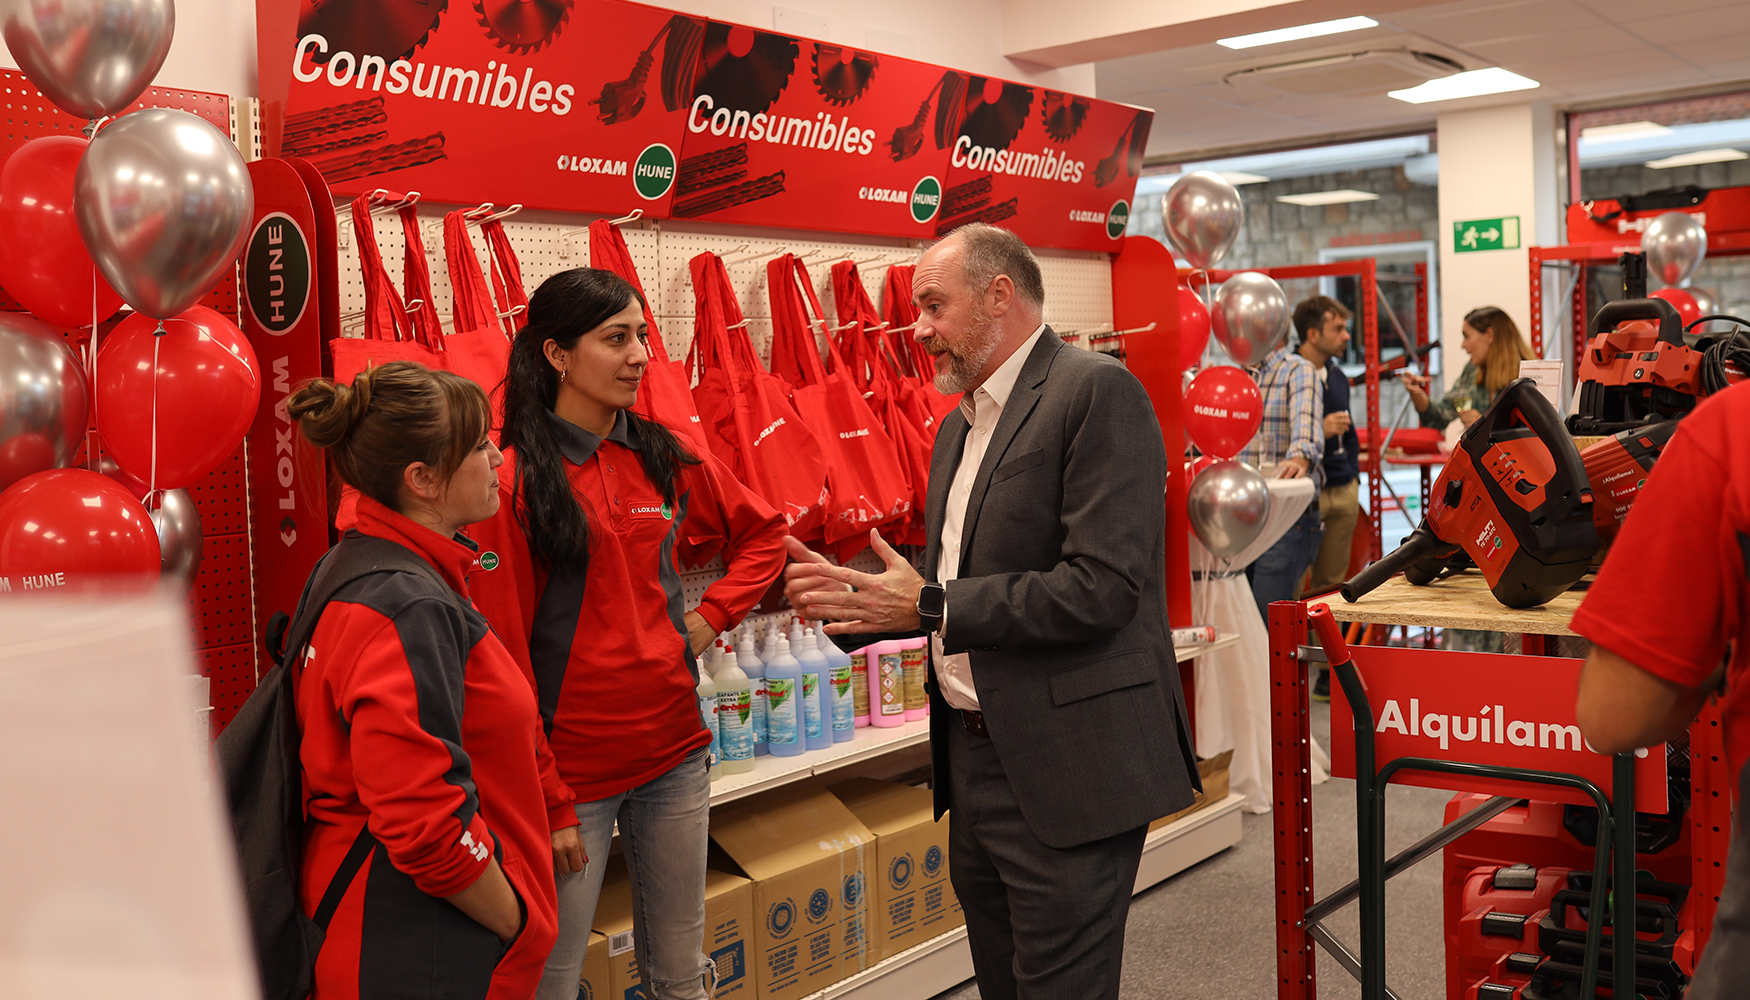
x=653, y=172
x=1117, y=218
x=489, y=560
x=926, y=199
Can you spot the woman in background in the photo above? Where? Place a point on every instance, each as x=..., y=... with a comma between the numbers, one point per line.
x=584, y=586
x=1495, y=348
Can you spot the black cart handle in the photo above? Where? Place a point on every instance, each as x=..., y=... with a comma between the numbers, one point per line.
x=1622, y=310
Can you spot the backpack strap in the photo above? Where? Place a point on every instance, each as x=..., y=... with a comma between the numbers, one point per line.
x=343, y=876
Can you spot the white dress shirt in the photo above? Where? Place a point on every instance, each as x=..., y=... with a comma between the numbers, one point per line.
x=982, y=407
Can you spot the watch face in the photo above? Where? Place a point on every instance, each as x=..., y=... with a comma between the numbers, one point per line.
x=931, y=599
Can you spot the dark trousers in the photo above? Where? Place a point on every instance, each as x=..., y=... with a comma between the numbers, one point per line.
x=1044, y=923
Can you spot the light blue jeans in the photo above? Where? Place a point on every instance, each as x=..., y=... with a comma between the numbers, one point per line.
x=664, y=827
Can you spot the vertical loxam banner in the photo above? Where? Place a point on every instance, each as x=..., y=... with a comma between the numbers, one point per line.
x=288, y=292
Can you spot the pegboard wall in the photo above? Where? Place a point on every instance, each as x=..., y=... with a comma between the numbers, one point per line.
x=1078, y=286
x=1078, y=291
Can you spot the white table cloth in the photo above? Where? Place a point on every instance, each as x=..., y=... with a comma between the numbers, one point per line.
x=1233, y=684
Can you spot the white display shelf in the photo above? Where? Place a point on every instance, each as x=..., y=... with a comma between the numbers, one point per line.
x=945, y=961
x=1223, y=640
x=771, y=772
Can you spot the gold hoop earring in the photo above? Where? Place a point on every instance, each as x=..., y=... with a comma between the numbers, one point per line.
x=562, y=374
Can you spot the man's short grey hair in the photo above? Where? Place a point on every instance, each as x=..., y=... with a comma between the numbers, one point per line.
x=987, y=251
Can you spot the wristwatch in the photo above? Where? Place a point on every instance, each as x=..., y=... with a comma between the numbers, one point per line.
x=932, y=602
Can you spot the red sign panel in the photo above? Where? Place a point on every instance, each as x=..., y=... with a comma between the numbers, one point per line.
x=1058, y=169
x=603, y=105
x=555, y=105
x=789, y=132
x=1481, y=708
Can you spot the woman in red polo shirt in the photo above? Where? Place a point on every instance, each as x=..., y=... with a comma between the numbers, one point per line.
x=581, y=581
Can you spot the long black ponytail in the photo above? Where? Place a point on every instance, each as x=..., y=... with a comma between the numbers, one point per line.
x=565, y=307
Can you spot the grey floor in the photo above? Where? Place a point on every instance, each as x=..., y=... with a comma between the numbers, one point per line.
x=1209, y=932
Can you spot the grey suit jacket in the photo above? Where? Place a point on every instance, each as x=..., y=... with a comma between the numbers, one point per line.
x=1061, y=601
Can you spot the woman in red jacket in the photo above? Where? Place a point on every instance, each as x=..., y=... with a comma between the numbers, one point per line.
x=421, y=742
x=587, y=593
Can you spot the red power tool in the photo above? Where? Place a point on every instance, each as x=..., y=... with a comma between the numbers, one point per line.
x=1514, y=496
x=1617, y=467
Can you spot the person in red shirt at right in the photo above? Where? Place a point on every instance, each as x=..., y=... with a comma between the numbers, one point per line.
x=582, y=582
x=1667, y=619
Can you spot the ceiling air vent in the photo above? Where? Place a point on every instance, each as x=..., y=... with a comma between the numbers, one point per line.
x=1346, y=74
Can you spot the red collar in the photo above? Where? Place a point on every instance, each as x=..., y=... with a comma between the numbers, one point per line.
x=451, y=557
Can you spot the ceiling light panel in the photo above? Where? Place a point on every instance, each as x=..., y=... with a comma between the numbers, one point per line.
x=1342, y=196
x=1698, y=157
x=1240, y=177
x=1298, y=32
x=1476, y=83
x=1622, y=132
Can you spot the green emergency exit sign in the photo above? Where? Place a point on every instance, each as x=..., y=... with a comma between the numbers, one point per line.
x=1486, y=234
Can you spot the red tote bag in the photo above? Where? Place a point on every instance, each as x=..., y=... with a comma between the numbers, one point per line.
x=479, y=349
x=902, y=319
x=867, y=486
x=883, y=383
x=758, y=434
x=666, y=394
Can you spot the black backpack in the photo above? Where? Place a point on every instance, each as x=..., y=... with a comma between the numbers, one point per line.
x=263, y=779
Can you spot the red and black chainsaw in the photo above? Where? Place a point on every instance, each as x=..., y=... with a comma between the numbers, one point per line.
x=1514, y=497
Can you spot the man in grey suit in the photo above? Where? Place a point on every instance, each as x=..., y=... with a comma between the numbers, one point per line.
x=1058, y=724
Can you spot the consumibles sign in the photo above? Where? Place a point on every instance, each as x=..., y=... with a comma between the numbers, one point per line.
x=1486, y=234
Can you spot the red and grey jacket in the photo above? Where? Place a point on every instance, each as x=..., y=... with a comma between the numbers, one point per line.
x=417, y=721
x=604, y=643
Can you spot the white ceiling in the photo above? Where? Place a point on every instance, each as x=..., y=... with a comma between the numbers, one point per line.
x=1579, y=50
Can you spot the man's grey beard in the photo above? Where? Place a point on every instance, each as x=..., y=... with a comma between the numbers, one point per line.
x=964, y=366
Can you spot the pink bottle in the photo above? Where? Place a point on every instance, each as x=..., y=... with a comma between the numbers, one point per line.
x=886, y=684
x=915, y=660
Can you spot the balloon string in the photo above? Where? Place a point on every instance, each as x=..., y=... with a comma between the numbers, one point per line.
x=152, y=483
x=91, y=461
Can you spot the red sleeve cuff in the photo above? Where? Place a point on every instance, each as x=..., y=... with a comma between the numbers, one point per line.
x=561, y=817
x=716, y=617
x=463, y=864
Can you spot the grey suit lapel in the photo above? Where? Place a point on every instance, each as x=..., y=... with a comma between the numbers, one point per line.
x=1022, y=399
x=944, y=459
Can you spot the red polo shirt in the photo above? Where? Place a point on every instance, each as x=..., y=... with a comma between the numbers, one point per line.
x=604, y=643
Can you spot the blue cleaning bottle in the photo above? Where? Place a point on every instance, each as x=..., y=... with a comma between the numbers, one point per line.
x=786, y=733
x=839, y=694
x=816, y=672
x=755, y=669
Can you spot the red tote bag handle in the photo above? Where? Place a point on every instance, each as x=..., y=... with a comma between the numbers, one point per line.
x=507, y=278
x=385, y=312
x=428, y=329
x=471, y=304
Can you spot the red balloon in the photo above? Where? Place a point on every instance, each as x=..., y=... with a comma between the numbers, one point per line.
x=1685, y=303
x=1193, y=328
x=1223, y=410
x=75, y=530
x=207, y=384
x=43, y=262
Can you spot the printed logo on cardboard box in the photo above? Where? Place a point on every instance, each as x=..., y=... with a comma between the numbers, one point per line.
x=853, y=891
x=819, y=906
x=932, y=861
x=781, y=919
x=900, y=871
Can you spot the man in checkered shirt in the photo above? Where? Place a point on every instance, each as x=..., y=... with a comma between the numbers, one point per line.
x=1292, y=439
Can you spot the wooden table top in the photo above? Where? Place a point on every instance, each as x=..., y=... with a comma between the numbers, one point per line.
x=1461, y=601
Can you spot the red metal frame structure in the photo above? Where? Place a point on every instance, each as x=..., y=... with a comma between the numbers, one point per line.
x=1710, y=810
x=1366, y=269
x=1600, y=233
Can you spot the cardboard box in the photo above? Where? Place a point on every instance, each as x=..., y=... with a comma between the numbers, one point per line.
x=1213, y=771
x=728, y=924
x=911, y=899
x=595, y=970
x=807, y=855
x=613, y=920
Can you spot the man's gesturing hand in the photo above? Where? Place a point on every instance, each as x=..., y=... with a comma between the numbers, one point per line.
x=884, y=603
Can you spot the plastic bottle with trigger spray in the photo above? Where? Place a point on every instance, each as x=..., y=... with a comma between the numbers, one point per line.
x=707, y=692
x=755, y=669
x=816, y=672
x=734, y=740
x=786, y=733
x=840, y=697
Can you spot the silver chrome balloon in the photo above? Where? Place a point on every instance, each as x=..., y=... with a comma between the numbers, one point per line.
x=43, y=399
x=1249, y=317
x=164, y=203
x=1202, y=213
x=90, y=57
x=179, y=537
x=1228, y=503
x=1675, y=245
